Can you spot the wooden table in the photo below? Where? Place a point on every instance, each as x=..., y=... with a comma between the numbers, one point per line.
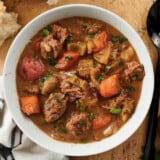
x=135, y=13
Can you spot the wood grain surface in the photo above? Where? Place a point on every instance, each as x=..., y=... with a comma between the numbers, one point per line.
x=135, y=13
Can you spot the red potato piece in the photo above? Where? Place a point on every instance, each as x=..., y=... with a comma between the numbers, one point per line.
x=68, y=60
x=30, y=105
x=110, y=86
x=31, y=69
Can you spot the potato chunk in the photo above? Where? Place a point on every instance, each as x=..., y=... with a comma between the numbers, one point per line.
x=127, y=54
x=78, y=82
x=79, y=47
x=103, y=55
x=49, y=84
x=84, y=67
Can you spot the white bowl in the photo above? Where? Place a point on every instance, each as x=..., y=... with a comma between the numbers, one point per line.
x=29, y=128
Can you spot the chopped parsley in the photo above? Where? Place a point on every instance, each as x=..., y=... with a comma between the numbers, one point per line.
x=83, y=108
x=100, y=77
x=35, y=56
x=119, y=39
x=62, y=130
x=134, y=76
x=90, y=36
x=131, y=89
x=91, y=116
x=57, y=99
x=45, y=32
x=68, y=58
x=51, y=61
x=84, y=25
x=68, y=39
x=45, y=76
x=115, y=110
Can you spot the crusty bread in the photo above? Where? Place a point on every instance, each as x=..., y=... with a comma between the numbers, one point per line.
x=8, y=23
x=51, y=2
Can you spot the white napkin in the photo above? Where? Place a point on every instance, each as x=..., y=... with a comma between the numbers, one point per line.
x=14, y=145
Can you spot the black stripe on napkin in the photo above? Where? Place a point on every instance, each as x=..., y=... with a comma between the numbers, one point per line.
x=6, y=153
x=16, y=139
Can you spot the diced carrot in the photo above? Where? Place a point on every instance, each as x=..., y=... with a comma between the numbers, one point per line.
x=110, y=86
x=100, y=122
x=68, y=60
x=30, y=105
x=100, y=41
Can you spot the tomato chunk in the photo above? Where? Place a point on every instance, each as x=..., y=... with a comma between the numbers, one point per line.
x=30, y=105
x=31, y=69
x=68, y=60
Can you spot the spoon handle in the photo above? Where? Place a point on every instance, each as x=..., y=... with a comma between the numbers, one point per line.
x=153, y=116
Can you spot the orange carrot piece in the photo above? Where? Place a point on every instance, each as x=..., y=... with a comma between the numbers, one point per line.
x=110, y=86
x=30, y=105
x=100, y=122
x=100, y=41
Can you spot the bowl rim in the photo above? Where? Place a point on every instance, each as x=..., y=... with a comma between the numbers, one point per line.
x=75, y=149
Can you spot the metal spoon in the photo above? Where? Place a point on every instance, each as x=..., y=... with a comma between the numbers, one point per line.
x=153, y=27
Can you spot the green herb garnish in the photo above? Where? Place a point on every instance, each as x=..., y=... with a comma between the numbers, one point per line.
x=51, y=61
x=45, y=32
x=90, y=36
x=119, y=39
x=62, y=130
x=68, y=39
x=131, y=89
x=84, y=26
x=35, y=56
x=45, y=76
x=100, y=77
x=68, y=58
x=57, y=99
x=83, y=108
x=134, y=76
x=91, y=116
x=115, y=110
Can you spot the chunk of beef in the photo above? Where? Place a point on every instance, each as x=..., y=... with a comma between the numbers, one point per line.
x=60, y=33
x=93, y=28
x=50, y=47
x=78, y=124
x=55, y=106
x=91, y=98
x=72, y=91
x=135, y=71
x=116, y=101
x=68, y=88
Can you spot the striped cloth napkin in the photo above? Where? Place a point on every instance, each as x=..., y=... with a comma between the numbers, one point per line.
x=14, y=145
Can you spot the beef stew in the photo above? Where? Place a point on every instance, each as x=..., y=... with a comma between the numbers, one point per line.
x=79, y=80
